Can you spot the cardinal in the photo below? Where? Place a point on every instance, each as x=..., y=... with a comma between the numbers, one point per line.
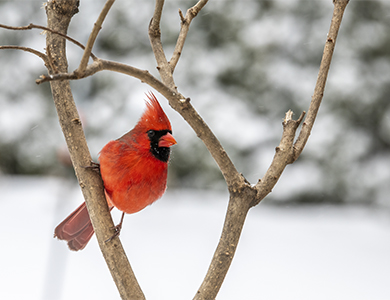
x=134, y=171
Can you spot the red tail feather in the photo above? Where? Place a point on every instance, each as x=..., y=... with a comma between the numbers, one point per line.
x=76, y=229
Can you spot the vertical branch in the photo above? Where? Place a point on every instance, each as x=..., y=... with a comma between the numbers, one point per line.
x=234, y=221
x=338, y=12
x=163, y=67
x=286, y=153
x=283, y=156
x=59, y=14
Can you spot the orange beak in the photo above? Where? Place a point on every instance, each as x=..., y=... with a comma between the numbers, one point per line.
x=167, y=141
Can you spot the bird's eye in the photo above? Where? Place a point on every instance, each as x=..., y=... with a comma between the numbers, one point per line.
x=151, y=133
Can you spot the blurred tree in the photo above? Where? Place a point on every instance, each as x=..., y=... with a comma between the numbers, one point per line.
x=241, y=85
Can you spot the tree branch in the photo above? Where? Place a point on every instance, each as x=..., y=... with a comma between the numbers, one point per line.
x=185, y=26
x=32, y=26
x=59, y=14
x=166, y=73
x=287, y=152
x=92, y=37
x=180, y=103
x=338, y=12
x=283, y=156
x=234, y=221
x=238, y=204
x=30, y=50
x=240, y=191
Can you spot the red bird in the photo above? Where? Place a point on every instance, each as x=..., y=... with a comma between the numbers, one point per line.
x=134, y=171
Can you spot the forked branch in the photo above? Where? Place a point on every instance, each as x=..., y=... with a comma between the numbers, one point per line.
x=286, y=153
x=281, y=159
x=182, y=104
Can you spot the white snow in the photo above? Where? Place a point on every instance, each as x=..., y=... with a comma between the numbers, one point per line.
x=290, y=252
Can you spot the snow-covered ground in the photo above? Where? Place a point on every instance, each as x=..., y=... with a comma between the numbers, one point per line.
x=317, y=252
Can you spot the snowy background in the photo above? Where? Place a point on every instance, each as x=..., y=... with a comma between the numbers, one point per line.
x=323, y=233
x=285, y=252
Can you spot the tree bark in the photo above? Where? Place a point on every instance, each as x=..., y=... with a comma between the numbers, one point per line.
x=59, y=14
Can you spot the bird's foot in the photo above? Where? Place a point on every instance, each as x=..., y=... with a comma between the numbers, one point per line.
x=117, y=229
x=94, y=166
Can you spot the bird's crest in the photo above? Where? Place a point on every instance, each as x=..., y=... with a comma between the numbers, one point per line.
x=154, y=116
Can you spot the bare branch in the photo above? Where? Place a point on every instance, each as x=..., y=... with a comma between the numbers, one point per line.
x=182, y=18
x=101, y=65
x=33, y=51
x=92, y=37
x=338, y=12
x=163, y=66
x=283, y=157
x=155, y=22
x=59, y=14
x=185, y=26
x=287, y=152
x=180, y=103
x=241, y=200
x=223, y=256
x=32, y=26
x=237, y=210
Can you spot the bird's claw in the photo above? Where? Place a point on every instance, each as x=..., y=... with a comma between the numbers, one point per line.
x=117, y=229
x=94, y=166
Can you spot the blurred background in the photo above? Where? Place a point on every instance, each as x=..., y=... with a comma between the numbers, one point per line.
x=245, y=63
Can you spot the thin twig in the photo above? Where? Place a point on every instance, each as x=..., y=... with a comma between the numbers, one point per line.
x=185, y=26
x=156, y=20
x=163, y=67
x=92, y=37
x=33, y=51
x=283, y=156
x=287, y=152
x=338, y=12
x=182, y=18
x=32, y=26
x=101, y=65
